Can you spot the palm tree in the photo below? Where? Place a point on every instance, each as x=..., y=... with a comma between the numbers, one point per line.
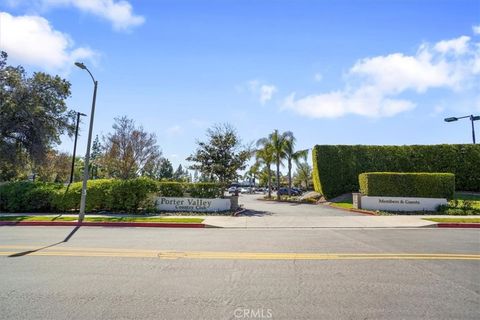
x=252, y=173
x=264, y=156
x=292, y=155
x=278, y=142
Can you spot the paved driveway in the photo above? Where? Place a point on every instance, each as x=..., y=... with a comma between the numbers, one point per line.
x=256, y=206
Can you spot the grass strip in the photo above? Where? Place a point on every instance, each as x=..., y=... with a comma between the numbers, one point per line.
x=100, y=219
x=454, y=220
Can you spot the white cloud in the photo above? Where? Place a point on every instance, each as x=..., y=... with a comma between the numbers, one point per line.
x=373, y=85
x=476, y=29
x=119, y=13
x=456, y=46
x=174, y=130
x=264, y=92
x=33, y=41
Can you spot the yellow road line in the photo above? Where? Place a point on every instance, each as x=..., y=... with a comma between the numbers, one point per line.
x=132, y=253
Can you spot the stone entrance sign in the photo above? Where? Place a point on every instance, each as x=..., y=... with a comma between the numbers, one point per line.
x=401, y=203
x=192, y=204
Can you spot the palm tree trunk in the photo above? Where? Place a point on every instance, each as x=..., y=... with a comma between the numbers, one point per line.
x=269, y=182
x=289, y=176
x=278, y=178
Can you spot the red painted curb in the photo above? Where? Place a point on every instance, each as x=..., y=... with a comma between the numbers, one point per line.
x=458, y=225
x=104, y=224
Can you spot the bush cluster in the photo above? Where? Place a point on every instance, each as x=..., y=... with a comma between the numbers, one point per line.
x=28, y=196
x=395, y=184
x=336, y=167
x=112, y=195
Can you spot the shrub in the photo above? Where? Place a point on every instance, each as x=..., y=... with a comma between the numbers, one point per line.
x=98, y=196
x=204, y=190
x=130, y=195
x=133, y=194
x=336, y=167
x=394, y=184
x=171, y=189
x=102, y=195
x=28, y=196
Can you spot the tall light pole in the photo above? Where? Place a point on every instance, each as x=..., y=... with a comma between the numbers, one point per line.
x=75, y=145
x=81, y=214
x=472, y=119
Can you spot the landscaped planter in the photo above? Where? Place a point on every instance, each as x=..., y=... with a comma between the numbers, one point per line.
x=196, y=204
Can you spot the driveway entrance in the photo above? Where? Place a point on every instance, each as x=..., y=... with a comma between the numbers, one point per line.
x=255, y=206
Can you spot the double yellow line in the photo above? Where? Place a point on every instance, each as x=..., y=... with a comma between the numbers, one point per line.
x=215, y=255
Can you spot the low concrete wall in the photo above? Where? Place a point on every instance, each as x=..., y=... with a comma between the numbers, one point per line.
x=401, y=203
x=194, y=204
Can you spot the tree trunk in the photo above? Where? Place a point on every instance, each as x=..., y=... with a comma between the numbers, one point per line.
x=278, y=178
x=269, y=182
x=289, y=176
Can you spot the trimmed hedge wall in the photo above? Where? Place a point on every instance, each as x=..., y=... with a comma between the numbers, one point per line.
x=336, y=167
x=102, y=195
x=399, y=184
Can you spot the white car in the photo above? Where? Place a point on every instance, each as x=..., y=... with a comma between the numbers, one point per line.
x=232, y=190
x=244, y=190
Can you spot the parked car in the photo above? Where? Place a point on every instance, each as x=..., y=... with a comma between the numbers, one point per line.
x=232, y=190
x=245, y=190
x=293, y=192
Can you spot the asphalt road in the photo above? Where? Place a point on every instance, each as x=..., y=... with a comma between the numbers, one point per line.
x=128, y=273
x=262, y=207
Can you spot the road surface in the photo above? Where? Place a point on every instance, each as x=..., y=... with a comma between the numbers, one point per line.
x=286, y=209
x=143, y=273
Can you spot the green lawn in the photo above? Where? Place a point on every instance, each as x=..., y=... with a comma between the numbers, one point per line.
x=101, y=219
x=344, y=205
x=344, y=201
x=454, y=220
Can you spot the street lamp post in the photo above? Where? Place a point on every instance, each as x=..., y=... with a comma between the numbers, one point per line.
x=75, y=145
x=472, y=119
x=81, y=214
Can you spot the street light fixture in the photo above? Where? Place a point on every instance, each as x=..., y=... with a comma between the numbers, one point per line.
x=81, y=214
x=472, y=119
x=75, y=145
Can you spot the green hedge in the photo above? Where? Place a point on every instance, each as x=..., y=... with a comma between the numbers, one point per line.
x=28, y=196
x=336, y=167
x=195, y=190
x=396, y=184
x=102, y=195
x=171, y=189
x=204, y=190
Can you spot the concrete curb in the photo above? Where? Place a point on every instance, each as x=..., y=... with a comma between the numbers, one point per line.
x=369, y=213
x=103, y=224
x=458, y=225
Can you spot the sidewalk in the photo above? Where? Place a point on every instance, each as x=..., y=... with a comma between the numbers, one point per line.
x=320, y=222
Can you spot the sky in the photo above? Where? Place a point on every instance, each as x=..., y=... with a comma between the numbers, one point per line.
x=332, y=72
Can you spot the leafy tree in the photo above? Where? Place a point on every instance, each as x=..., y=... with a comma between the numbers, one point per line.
x=303, y=175
x=292, y=155
x=33, y=116
x=166, y=169
x=221, y=156
x=96, y=154
x=180, y=174
x=128, y=149
x=278, y=144
x=55, y=168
